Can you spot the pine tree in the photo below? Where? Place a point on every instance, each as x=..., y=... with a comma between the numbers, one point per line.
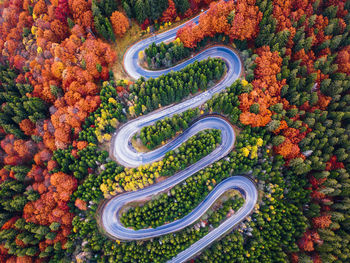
x=127, y=9
x=182, y=6
x=140, y=11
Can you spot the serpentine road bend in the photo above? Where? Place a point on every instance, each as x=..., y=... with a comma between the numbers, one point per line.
x=125, y=154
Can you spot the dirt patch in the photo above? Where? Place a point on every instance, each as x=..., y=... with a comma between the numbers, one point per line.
x=161, y=178
x=138, y=145
x=105, y=146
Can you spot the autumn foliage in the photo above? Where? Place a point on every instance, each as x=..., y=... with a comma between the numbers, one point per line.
x=120, y=23
x=62, y=10
x=343, y=60
x=80, y=204
x=308, y=240
x=64, y=67
x=170, y=13
x=27, y=126
x=322, y=221
x=210, y=23
x=17, y=151
x=244, y=25
x=52, y=205
x=266, y=89
x=54, y=47
x=82, y=13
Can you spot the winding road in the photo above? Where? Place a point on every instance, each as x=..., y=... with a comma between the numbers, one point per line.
x=123, y=152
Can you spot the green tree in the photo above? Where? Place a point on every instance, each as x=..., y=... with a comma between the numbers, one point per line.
x=255, y=108
x=140, y=12
x=182, y=6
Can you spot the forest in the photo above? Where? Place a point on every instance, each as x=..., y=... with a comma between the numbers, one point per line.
x=149, y=95
x=165, y=55
x=155, y=135
x=63, y=98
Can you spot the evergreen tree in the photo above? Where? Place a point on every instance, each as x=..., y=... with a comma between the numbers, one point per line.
x=181, y=6
x=140, y=12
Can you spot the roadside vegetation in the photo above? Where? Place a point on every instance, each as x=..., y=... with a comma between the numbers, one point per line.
x=174, y=161
x=165, y=55
x=60, y=104
x=148, y=95
x=165, y=129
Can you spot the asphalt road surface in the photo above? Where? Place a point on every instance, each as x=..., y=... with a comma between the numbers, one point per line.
x=125, y=154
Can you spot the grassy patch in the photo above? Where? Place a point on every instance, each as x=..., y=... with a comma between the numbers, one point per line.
x=138, y=145
x=120, y=46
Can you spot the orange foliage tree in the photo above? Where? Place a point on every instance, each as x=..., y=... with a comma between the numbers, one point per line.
x=170, y=13
x=120, y=23
x=266, y=88
x=40, y=8
x=244, y=24
x=82, y=13
x=343, y=60
x=27, y=126
x=322, y=221
x=17, y=151
x=267, y=93
x=306, y=243
x=210, y=23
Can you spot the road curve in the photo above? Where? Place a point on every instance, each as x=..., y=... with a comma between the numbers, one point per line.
x=125, y=154
x=112, y=224
x=110, y=217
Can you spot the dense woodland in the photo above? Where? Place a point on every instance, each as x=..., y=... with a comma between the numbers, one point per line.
x=162, y=130
x=164, y=210
x=151, y=94
x=165, y=55
x=60, y=104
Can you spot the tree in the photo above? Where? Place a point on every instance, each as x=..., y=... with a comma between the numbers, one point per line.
x=119, y=23
x=127, y=9
x=273, y=125
x=62, y=11
x=107, y=7
x=104, y=27
x=322, y=221
x=277, y=140
x=170, y=13
x=40, y=8
x=343, y=60
x=255, y=108
x=181, y=6
x=186, y=36
x=245, y=24
x=156, y=8
x=27, y=126
x=140, y=12
x=306, y=243
x=81, y=12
